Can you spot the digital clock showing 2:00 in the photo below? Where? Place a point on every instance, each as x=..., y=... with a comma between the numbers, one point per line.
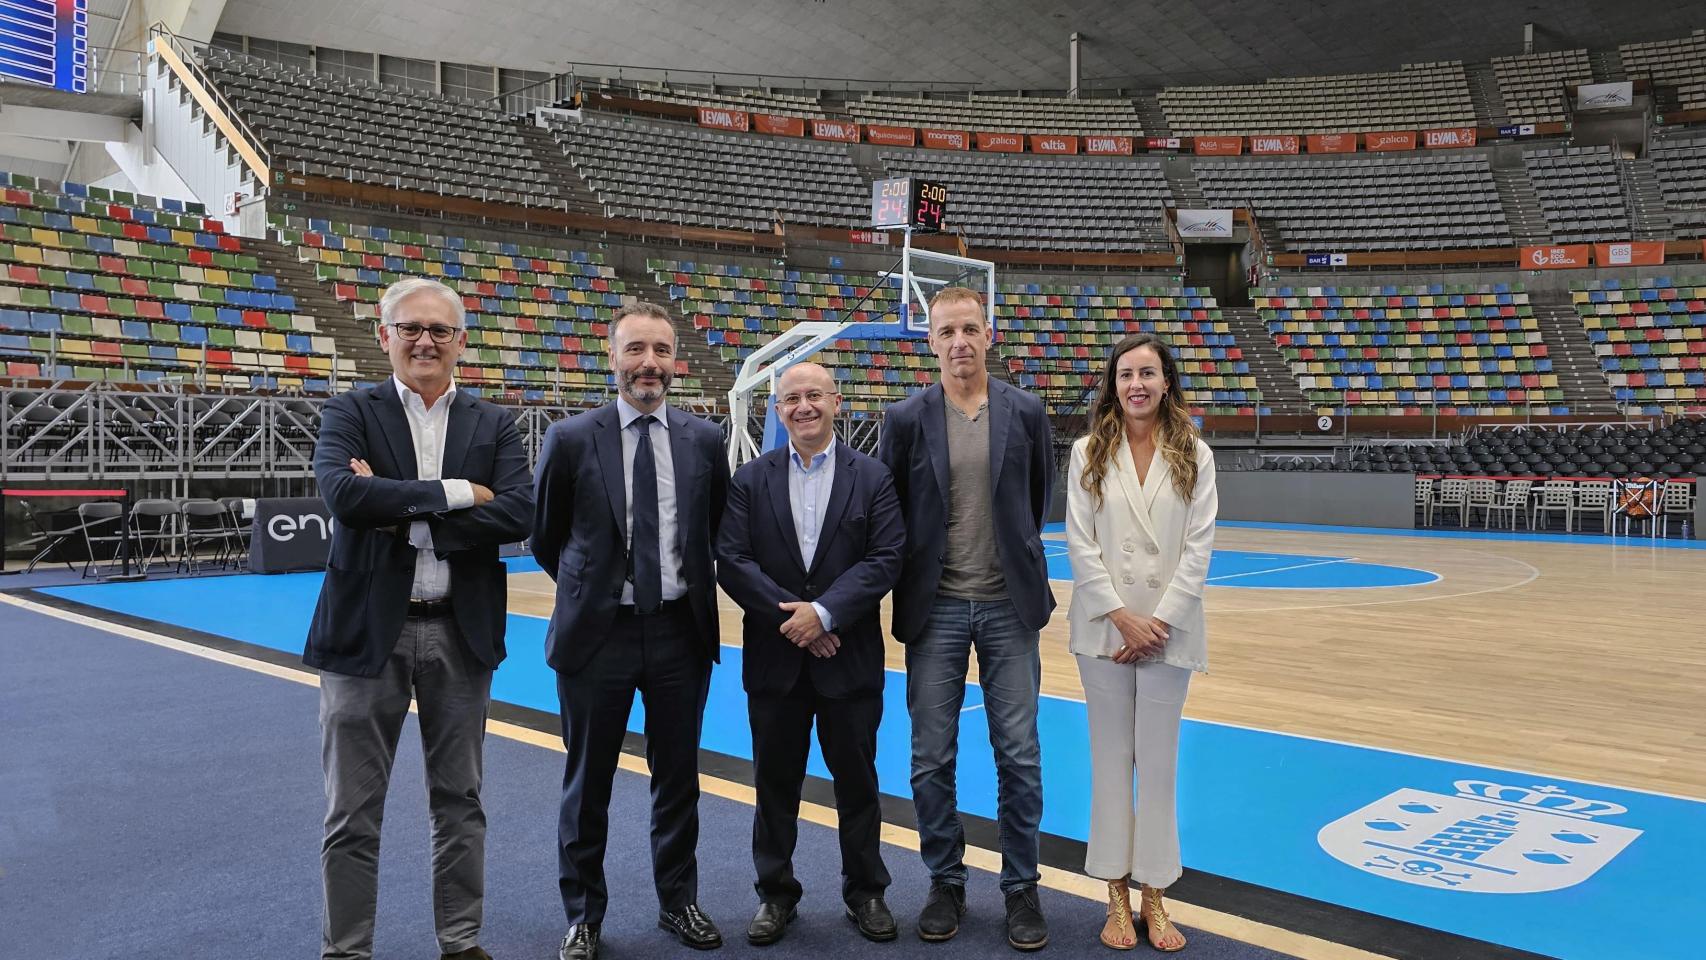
x=908, y=202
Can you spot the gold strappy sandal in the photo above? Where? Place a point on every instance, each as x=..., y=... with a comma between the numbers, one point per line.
x=1154, y=917
x=1119, y=911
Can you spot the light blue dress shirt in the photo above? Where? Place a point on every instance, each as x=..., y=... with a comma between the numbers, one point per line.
x=809, y=486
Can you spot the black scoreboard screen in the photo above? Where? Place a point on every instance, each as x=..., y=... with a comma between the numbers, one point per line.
x=908, y=202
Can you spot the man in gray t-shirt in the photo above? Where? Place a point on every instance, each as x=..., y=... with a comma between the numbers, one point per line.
x=972, y=465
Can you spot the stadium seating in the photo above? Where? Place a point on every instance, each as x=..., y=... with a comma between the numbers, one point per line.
x=1650, y=336
x=1419, y=95
x=103, y=285
x=1402, y=350
x=1680, y=63
x=537, y=316
x=676, y=173
x=1679, y=163
x=1532, y=84
x=1579, y=192
x=1059, y=203
x=1010, y=114
x=357, y=130
x=1056, y=339
x=1415, y=202
x=755, y=101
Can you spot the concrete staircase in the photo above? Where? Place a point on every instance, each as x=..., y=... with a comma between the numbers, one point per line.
x=1150, y=114
x=1280, y=392
x=1646, y=202
x=1573, y=360
x=1182, y=183
x=355, y=338
x=579, y=197
x=1522, y=205
x=1607, y=66
x=1484, y=93
x=716, y=376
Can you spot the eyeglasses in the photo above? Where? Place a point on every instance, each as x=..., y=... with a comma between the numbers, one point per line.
x=813, y=397
x=440, y=333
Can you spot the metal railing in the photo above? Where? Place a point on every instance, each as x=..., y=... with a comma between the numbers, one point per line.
x=189, y=54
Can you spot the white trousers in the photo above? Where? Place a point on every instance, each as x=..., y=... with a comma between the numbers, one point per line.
x=1134, y=730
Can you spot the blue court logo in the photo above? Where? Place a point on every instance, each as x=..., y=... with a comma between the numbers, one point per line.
x=1489, y=838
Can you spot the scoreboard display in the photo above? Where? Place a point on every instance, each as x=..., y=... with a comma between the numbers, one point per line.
x=46, y=42
x=908, y=202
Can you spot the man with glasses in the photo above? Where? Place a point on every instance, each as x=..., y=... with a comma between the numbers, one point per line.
x=628, y=498
x=810, y=544
x=425, y=483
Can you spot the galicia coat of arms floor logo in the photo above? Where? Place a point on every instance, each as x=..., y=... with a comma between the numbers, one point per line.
x=1488, y=838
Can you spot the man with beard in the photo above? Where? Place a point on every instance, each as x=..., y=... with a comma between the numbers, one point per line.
x=627, y=501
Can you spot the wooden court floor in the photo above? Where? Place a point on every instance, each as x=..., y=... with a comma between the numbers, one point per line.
x=1579, y=660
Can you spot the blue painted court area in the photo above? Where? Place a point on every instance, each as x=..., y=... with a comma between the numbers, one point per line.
x=1423, y=840
x=1277, y=571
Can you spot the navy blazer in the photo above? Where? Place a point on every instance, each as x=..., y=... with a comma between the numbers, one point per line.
x=580, y=532
x=759, y=564
x=371, y=569
x=914, y=445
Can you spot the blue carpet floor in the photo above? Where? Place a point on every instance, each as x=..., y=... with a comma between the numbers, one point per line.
x=155, y=804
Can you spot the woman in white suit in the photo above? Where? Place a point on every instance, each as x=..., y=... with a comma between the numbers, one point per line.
x=1140, y=514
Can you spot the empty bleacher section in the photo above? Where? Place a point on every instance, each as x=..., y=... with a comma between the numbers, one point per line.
x=1419, y=95
x=741, y=308
x=676, y=173
x=755, y=101
x=1059, y=203
x=537, y=316
x=1415, y=202
x=1009, y=114
x=1675, y=450
x=1056, y=339
x=1532, y=84
x=1650, y=335
x=1400, y=350
x=1679, y=63
x=357, y=130
x=1679, y=163
x=1579, y=192
x=102, y=285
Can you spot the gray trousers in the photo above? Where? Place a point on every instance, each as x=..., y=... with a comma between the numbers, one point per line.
x=361, y=719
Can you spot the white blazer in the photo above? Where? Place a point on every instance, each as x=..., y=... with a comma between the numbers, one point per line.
x=1145, y=549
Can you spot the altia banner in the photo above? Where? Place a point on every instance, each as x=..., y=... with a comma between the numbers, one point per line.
x=1485, y=838
x=1053, y=143
x=1602, y=96
x=724, y=119
x=1205, y=223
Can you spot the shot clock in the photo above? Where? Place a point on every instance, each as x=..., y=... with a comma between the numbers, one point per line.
x=908, y=202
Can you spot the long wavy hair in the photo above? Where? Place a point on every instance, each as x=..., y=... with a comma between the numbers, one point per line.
x=1175, y=434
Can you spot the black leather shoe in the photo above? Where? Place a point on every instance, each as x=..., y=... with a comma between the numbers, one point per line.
x=770, y=923
x=943, y=908
x=472, y=953
x=581, y=943
x=874, y=920
x=691, y=927
x=1026, y=928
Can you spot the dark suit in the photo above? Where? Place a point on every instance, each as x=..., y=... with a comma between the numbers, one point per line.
x=914, y=446
x=375, y=655
x=856, y=562
x=603, y=651
x=365, y=597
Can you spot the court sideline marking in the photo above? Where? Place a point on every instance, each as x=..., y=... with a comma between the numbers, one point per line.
x=1212, y=921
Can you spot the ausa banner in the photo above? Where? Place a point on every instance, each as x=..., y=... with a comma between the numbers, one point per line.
x=1217, y=146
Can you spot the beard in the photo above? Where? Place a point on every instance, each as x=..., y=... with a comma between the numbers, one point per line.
x=627, y=382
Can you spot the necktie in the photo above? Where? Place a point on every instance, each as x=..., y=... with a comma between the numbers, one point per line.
x=643, y=544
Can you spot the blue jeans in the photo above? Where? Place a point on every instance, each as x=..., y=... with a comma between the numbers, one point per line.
x=1010, y=672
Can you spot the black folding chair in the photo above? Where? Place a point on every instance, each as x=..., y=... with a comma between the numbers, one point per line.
x=52, y=537
x=205, y=523
x=102, y=523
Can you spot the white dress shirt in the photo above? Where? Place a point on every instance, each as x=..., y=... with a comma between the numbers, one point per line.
x=669, y=551
x=427, y=427
x=809, y=486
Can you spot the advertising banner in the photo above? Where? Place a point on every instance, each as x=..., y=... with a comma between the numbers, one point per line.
x=721, y=118
x=1001, y=142
x=1556, y=257
x=1332, y=143
x=1217, y=146
x=1389, y=140
x=1107, y=145
x=1448, y=137
x=946, y=139
x=1601, y=96
x=1629, y=254
x=779, y=126
x=1053, y=143
x=842, y=130
x=1205, y=223
x=891, y=136
x=1273, y=144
